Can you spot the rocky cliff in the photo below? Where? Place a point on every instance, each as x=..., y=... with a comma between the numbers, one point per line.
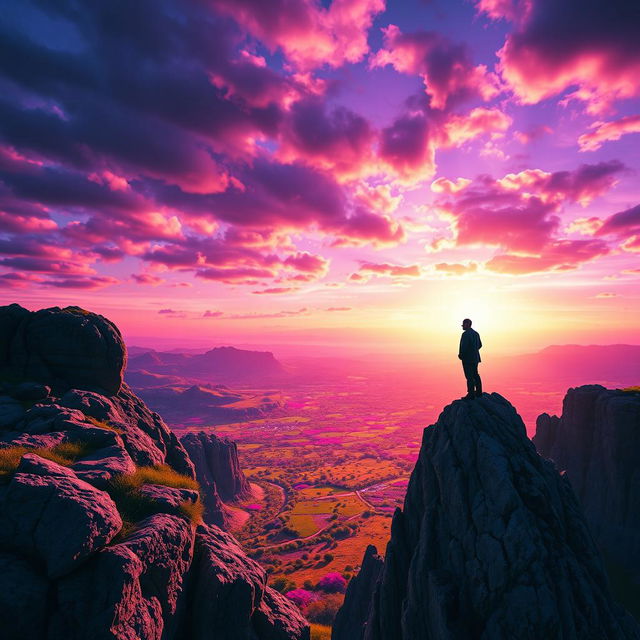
x=218, y=472
x=100, y=531
x=351, y=620
x=491, y=542
x=597, y=442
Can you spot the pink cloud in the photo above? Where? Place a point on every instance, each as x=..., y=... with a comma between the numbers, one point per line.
x=445, y=67
x=533, y=134
x=592, y=46
x=479, y=121
x=82, y=282
x=390, y=270
x=562, y=255
x=308, y=263
x=607, y=131
x=456, y=269
x=212, y=314
x=340, y=141
x=275, y=290
x=308, y=34
x=25, y=224
x=444, y=185
x=147, y=278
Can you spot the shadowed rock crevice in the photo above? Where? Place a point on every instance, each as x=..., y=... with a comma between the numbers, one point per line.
x=491, y=542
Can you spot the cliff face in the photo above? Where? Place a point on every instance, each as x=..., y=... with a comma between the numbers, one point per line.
x=99, y=511
x=491, y=542
x=351, y=620
x=218, y=472
x=597, y=442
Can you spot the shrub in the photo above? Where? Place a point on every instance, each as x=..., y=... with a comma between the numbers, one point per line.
x=301, y=597
x=323, y=611
x=320, y=632
x=333, y=582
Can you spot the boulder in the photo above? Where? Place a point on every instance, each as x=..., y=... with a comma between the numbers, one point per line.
x=228, y=593
x=56, y=518
x=491, y=542
x=67, y=347
x=11, y=412
x=130, y=590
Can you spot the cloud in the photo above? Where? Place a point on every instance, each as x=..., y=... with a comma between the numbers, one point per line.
x=308, y=34
x=339, y=309
x=607, y=131
x=212, y=314
x=624, y=223
x=444, y=185
x=456, y=269
x=593, y=46
x=445, y=68
x=562, y=255
x=172, y=313
x=339, y=141
x=389, y=270
x=606, y=294
x=147, y=278
x=275, y=290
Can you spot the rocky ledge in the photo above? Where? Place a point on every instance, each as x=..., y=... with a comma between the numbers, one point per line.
x=596, y=441
x=491, y=543
x=100, y=513
x=218, y=472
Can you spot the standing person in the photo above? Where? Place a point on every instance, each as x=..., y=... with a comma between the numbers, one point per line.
x=469, y=353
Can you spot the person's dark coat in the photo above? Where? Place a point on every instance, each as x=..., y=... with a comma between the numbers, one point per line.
x=470, y=345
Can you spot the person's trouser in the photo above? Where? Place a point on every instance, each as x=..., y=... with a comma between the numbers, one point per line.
x=474, y=384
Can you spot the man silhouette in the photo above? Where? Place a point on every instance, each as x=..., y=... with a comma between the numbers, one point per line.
x=469, y=353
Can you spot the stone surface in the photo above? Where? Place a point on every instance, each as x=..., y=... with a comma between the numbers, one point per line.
x=218, y=472
x=23, y=599
x=491, y=542
x=11, y=412
x=228, y=593
x=129, y=590
x=67, y=347
x=58, y=519
x=597, y=442
x=350, y=622
x=169, y=496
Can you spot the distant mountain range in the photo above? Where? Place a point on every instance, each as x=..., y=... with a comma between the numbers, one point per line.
x=221, y=364
x=578, y=363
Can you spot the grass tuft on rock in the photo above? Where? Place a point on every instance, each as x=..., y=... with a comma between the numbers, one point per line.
x=64, y=454
x=102, y=424
x=134, y=506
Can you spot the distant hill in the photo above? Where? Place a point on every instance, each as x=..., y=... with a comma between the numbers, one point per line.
x=579, y=363
x=220, y=364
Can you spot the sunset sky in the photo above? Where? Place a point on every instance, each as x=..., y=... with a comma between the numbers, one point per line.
x=345, y=173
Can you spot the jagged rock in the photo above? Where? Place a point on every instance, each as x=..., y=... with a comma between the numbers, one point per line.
x=352, y=617
x=218, y=472
x=129, y=590
x=228, y=593
x=67, y=347
x=491, y=542
x=277, y=618
x=597, y=442
x=23, y=599
x=147, y=438
x=57, y=518
x=71, y=576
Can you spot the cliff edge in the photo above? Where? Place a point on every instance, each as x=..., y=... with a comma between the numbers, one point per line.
x=491, y=542
x=100, y=514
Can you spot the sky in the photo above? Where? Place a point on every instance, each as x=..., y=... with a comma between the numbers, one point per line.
x=354, y=173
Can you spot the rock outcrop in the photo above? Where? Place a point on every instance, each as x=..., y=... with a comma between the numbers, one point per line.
x=491, y=542
x=597, y=442
x=351, y=620
x=99, y=505
x=218, y=472
x=63, y=347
